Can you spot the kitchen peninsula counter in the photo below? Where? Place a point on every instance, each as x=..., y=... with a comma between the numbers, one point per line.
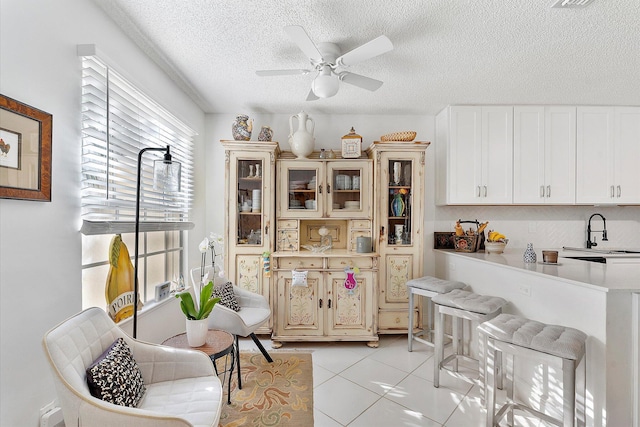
x=603, y=300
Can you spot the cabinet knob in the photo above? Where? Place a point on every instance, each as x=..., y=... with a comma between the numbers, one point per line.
x=329, y=303
x=320, y=302
x=320, y=189
x=328, y=188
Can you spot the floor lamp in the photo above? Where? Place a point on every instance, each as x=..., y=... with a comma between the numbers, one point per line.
x=166, y=178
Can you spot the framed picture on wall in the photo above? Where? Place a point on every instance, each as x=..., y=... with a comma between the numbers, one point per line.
x=25, y=151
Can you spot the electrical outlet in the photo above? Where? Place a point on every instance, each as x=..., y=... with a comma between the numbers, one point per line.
x=163, y=290
x=525, y=290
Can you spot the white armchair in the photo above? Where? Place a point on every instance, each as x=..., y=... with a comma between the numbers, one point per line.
x=254, y=312
x=181, y=386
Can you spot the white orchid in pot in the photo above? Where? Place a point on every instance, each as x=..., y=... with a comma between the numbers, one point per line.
x=215, y=244
x=197, y=323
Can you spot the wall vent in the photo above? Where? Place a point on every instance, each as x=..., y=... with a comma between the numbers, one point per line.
x=566, y=4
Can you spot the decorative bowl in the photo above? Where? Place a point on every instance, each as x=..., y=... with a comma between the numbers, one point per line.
x=406, y=136
x=494, y=247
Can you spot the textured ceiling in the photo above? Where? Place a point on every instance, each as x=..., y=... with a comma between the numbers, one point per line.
x=446, y=52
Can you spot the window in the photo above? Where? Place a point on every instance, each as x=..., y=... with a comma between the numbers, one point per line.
x=118, y=120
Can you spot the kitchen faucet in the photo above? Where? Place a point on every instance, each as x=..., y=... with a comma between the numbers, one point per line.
x=593, y=243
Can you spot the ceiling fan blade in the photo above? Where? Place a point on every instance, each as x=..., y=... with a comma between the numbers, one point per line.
x=299, y=36
x=265, y=73
x=360, y=81
x=369, y=50
x=312, y=96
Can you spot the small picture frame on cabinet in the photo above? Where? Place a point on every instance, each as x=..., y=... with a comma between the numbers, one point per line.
x=351, y=145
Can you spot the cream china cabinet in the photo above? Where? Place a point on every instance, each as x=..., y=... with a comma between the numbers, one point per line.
x=249, y=214
x=324, y=188
x=399, y=188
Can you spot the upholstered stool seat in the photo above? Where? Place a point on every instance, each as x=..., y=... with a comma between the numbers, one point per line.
x=427, y=286
x=461, y=305
x=562, y=347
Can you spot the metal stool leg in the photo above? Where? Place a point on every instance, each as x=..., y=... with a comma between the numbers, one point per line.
x=410, y=327
x=261, y=348
x=238, y=361
x=439, y=350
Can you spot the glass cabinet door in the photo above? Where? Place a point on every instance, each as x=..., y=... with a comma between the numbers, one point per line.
x=303, y=185
x=348, y=189
x=249, y=201
x=399, y=202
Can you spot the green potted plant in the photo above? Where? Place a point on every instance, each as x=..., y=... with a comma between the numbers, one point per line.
x=197, y=323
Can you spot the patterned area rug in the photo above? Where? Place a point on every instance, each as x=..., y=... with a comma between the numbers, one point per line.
x=273, y=394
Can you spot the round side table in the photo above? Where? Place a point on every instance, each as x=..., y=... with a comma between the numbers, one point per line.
x=218, y=344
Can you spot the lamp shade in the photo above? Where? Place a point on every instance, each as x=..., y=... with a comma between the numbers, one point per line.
x=166, y=175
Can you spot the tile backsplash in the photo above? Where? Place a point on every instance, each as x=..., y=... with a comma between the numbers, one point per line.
x=546, y=226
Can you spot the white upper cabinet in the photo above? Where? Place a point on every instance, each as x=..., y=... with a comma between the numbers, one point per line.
x=544, y=149
x=478, y=153
x=608, y=155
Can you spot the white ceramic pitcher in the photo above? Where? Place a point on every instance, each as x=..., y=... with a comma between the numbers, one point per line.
x=301, y=140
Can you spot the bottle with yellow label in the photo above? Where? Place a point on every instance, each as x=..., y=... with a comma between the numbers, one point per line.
x=120, y=285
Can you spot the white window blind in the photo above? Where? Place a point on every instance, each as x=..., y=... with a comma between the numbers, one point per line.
x=117, y=122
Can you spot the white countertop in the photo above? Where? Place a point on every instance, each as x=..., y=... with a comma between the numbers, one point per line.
x=603, y=277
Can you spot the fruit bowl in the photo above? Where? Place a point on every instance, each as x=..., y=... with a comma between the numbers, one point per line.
x=495, y=247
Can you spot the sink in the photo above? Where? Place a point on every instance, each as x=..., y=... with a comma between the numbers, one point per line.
x=604, y=250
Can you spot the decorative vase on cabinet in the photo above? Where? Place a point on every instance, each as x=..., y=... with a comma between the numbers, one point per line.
x=301, y=141
x=241, y=128
x=397, y=205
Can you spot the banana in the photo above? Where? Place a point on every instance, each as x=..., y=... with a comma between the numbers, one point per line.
x=459, y=230
x=494, y=236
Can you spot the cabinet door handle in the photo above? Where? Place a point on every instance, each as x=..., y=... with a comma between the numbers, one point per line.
x=329, y=303
x=382, y=231
x=548, y=191
x=612, y=192
x=320, y=302
x=320, y=189
x=266, y=230
x=619, y=191
x=485, y=191
x=478, y=194
x=328, y=188
x=542, y=191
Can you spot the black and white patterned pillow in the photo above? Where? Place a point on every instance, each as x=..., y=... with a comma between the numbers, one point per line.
x=115, y=376
x=226, y=295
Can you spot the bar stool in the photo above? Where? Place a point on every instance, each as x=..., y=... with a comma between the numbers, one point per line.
x=557, y=346
x=427, y=286
x=461, y=305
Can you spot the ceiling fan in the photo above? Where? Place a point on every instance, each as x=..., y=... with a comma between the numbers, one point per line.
x=330, y=64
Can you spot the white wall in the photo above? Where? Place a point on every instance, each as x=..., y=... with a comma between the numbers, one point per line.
x=40, y=245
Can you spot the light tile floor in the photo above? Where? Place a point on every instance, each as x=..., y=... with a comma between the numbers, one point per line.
x=358, y=386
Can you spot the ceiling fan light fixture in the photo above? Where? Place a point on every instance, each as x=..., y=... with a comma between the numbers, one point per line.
x=326, y=84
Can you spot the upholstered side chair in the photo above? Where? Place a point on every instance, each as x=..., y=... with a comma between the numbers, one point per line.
x=254, y=312
x=181, y=386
